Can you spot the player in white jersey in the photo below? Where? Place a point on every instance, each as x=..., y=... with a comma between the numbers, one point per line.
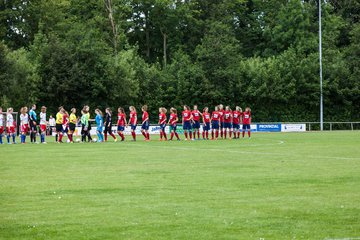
x=10, y=126
x=43, y=124
x=1, y=125
x=24, y=123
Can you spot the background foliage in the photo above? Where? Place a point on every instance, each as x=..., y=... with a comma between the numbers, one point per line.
x=114, y=53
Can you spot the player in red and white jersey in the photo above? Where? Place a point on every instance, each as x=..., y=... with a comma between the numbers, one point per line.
x=236, y=121
x=121, y=123
x=10, y=126
x=173, y=123
x=24, y=124
x=65, y=123
x=228, y=117
x=221, y=125
x=133, y=121
x=196, y=114
x=162, y=122
x=215, y=119
x=206, y=123
x=186, y=121
x=1, y=126
x=145, y=123
x=246, y=117
x=43, y=124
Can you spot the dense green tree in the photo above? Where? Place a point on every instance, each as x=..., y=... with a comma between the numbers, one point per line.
x=262, y=54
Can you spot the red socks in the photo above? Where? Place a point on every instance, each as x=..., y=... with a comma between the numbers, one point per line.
x=60, y=137
x=121, y=135
x=207, y=134
x=161, y=134
x=133, y=135
x=164, y=133
x=225, y=134
x=177, y=135
x=105, y=136
x=144, y=134
x=70, y=137
x=249, y=133
x=217, y=133
x=148, y=136
x=191, y=135
x=212, y=134
x=186, y=135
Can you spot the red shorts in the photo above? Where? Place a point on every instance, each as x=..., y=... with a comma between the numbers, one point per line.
x=1, y=130
x=42, y=127
x=25, y=128
x=10, y=130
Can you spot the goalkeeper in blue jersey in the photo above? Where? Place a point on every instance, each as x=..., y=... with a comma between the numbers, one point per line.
x=99, y=125
x=33, y=125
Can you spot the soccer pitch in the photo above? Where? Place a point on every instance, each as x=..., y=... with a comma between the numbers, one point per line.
x=273, y=186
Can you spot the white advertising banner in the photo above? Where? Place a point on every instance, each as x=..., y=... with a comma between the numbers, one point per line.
x=293, y=127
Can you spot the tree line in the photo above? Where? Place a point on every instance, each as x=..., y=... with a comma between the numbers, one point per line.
x=110, y=53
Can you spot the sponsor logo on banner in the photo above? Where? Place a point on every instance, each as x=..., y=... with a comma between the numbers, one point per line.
x=268, y=127
x=293, y=128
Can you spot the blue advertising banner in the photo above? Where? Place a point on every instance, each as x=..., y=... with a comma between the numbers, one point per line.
x=269, y=127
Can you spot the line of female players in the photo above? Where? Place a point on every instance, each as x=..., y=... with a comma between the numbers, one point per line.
x=223, y=122
x=220, y=122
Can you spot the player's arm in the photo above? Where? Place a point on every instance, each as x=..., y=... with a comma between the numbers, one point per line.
x=164, y=121
x=147, y=118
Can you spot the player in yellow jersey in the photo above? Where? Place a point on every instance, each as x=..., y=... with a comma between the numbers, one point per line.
x=72, y=126
x=59, y=123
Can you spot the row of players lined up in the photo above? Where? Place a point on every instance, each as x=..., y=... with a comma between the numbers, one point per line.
x=220, y=121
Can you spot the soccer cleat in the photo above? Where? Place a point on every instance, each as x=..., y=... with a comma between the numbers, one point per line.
x=44, y=142
x=115, y=140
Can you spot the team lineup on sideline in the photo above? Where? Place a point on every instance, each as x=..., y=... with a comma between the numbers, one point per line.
x=221, y=122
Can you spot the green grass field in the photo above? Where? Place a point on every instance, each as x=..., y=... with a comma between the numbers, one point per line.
x=273, y=186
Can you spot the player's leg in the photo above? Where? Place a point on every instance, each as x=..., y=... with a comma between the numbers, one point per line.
x=8, y=135
x=133, y=127
x=106, y=134
x=164, y=132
